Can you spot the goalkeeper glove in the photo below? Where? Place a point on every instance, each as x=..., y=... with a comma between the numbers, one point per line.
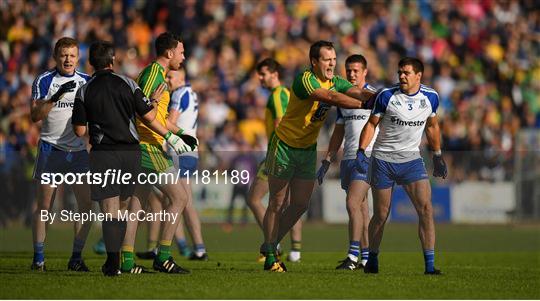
x=64, y=88
x=323, y=170
x=188, y=139
x=439, y=166
x=176, y=143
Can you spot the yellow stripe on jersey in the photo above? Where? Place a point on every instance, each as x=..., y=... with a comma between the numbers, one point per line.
x=275, y=108
x=151, y=79
x=305, y=79
x=277, y=103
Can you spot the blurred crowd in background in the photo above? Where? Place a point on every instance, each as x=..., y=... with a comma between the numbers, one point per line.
x=482, y=56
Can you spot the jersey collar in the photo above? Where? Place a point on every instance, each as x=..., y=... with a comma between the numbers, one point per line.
x=63, y=75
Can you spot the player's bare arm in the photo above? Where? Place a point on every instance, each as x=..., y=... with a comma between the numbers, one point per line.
x=335, y=98
x=80, y=130
x=171, y=121
x=368, y=131
x=335, y=141
x=360, y=94
x=40, y=109
x=433, y=134
x=150, y=120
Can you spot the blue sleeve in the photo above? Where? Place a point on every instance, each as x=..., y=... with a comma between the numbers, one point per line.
x=40, y=87
x=184, y=101
x=434, y=100
x=179, y=100
x=381, y=102
x=174, y=104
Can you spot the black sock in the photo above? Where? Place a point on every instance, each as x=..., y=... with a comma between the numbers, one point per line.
x=113, y=236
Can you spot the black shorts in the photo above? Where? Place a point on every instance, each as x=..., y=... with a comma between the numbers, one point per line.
x=106, y=163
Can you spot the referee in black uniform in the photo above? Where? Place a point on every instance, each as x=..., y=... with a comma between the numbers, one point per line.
x=108, y=103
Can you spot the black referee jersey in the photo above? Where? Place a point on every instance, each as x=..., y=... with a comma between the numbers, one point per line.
x=109, y=102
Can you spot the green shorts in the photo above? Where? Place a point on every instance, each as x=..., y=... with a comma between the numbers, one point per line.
x=261, y=171
x=286, y=162
x=154, y=159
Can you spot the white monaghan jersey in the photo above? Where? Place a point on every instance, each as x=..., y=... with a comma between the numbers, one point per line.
x=354, y=121
x=184, y=100
x=56, y=128
x=403, y=119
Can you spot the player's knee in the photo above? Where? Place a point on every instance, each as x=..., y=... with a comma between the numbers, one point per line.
x=252, y=201
x=380, y=216
x=425, y=210
x=276, y=205
x=353, y=208
x=301, y=207
x=177, y=198
x=44, y=205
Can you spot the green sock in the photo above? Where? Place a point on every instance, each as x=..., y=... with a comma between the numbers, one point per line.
x=270, y=254
x=127, y=258
x=164, y=250
x=296, y=245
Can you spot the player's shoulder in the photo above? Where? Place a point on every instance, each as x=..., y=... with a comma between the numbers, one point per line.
x=83, y=75
x=180, y=92
x=46, y=75
x=126, y=80
x=304, y=84
x=305, y=73
x=338, y=78
x=150, y=71
x=42, y=83
x=428, y=90
x=304, y=77
x=370, y=87
x=280, y=89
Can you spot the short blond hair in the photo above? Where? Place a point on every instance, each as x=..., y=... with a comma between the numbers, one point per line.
x=65, y=42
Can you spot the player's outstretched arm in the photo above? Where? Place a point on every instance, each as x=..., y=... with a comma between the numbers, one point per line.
x=335, y=98
x=361, y=94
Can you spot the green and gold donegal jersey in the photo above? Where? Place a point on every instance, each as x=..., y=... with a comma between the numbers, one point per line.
x=275, y=107
x=303, y=119
x=149, y=79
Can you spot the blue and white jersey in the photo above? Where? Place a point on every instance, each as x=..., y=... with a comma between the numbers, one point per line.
x=56, y=128
x=354, y=121
x=184, y=100
x=403, y=119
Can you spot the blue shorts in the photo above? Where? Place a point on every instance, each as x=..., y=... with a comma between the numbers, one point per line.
x=384, y=174
x=186, y=165
x=54, y=160
x=349, y=173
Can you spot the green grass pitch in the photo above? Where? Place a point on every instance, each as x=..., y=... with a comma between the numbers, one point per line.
x=478, y=262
